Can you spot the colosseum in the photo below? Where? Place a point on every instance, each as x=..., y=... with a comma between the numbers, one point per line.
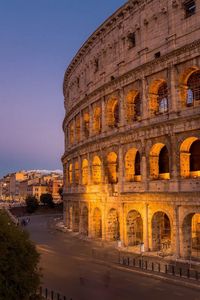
x=132, y=130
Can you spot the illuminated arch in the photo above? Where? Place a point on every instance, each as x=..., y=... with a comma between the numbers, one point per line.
x=78, y=128
x=132, y=165
x=113, y=231
x=133, y=103
x=96, y=170
x=85, y=171
x=190, y=157
x=184, y=92
x=112, y=112
x=86, y=124
x=97, y=120
x=71, y=133
x=134, y=225
x=84, y=221
x=76, y=172
x=159, y=162
x=158, y=96
x=112, y=167
x=70, y=173
x=161, y=231
x=97, y=223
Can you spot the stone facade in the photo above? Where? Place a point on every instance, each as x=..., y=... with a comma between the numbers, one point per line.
x=132, y=129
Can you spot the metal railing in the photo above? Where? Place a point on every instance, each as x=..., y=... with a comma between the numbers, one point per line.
x=51, y=295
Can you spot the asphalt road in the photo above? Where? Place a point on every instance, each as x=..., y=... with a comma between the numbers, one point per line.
x=70, y=267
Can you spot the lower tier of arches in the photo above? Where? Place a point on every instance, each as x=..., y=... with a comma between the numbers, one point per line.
x=156, y=226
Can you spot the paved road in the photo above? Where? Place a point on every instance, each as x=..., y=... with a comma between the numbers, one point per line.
x=70, y=268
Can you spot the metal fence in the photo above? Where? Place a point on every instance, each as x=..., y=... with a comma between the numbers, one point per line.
x=158, y=267
x=51, y=295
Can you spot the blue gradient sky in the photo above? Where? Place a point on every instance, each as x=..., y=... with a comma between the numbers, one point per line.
x=38, y=38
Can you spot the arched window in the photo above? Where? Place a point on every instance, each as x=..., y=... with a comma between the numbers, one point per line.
x=159, y=162
x=112, y=112
x=163, y=98
x=85, y=172
x=71, y=133
x=70, y=173
x=112, y=167
x=86, y=124
x=133, y=106
x=193, y=91
x=78, y=129
x=132, y=165
x=97, y=120
x=76, y=172
x=96, y=170
x=190, y=158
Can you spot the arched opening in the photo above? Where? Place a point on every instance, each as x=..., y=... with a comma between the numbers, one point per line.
x=159, y=162
x=84, y=219
x=190, y=158
x=96, y=170
x=158, y=96
x=132, y=165
x=113, y=225
x=191, y=236
x=86, y=124
x=161, y=232
x=85, y=172
x=76, y=166
x=112, y=112
x=112, y=167
x=78, y=129
x=97, y=223
x=134, y=228
x=75, y=218
x=71, y=133
x=70, y=173
x=97, y=120
x=193, y=88
x=133, y=106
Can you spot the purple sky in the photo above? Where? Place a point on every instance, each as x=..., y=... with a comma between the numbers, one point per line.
x=38, y=38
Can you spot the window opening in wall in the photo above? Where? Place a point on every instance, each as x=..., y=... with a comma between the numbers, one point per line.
x=116, y=115
x=96, y=65
x=195, y=156
x=137, y=164
x=190, y=8
x=164, y=161
x=157, y=54
x=137, y=107
x=131, y=40
x=163, y=98
x=193, y=92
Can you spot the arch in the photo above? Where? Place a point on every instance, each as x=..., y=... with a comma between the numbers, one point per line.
x=113, y=231
x=76, y=218
x=78, y=128
x=191, y=236
x=76, y=172
x=190, y=157
x=134, y=225
x=112, y=112
x=85, y=172
x=185, y=94
x=96, y=170
x=159, y=162
x=97, y=120
x=86, y=124
x=97, y=223
x=71, y=133
x=70, y=173
x=112, y=167
x=161, y=231
x=132, y=165
x=158, y=96
x=133, y=105
x=84, y=221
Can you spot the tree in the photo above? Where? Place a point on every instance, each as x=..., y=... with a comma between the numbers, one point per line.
x=47, y=199
x=31, y=204
x=19, y=272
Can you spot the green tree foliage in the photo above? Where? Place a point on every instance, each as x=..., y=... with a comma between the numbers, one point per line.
x=47, y=199
x=31, y=204
x=19, y=272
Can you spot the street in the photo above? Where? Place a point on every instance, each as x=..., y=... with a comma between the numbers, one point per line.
x=70, y=267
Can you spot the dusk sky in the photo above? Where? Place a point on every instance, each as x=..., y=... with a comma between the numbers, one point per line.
x=38, y=40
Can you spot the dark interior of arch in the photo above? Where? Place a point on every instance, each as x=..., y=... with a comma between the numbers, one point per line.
x=137, y=164
x=164, y=161
x=195, y=156
x=116, y=114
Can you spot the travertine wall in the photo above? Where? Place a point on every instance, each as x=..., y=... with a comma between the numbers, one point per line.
x=128, y=117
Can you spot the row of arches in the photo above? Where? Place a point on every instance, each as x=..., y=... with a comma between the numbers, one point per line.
x=159, y=164
x=161, y=229
x=159, y=98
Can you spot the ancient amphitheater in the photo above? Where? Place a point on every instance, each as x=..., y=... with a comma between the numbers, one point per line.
x=132, y=129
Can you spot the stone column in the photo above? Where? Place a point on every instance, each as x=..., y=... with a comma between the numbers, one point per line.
x=90, y=220
x=104, y=222
x=120, y=169
x=89, y=169
x=173, y=97
x=122, y=120
x=174, y=158
x=90, y=120
x=80, y=170
x=103, y=114
x=146, y=228
x=144, y=99
x=81, y=126
x=176, y=233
